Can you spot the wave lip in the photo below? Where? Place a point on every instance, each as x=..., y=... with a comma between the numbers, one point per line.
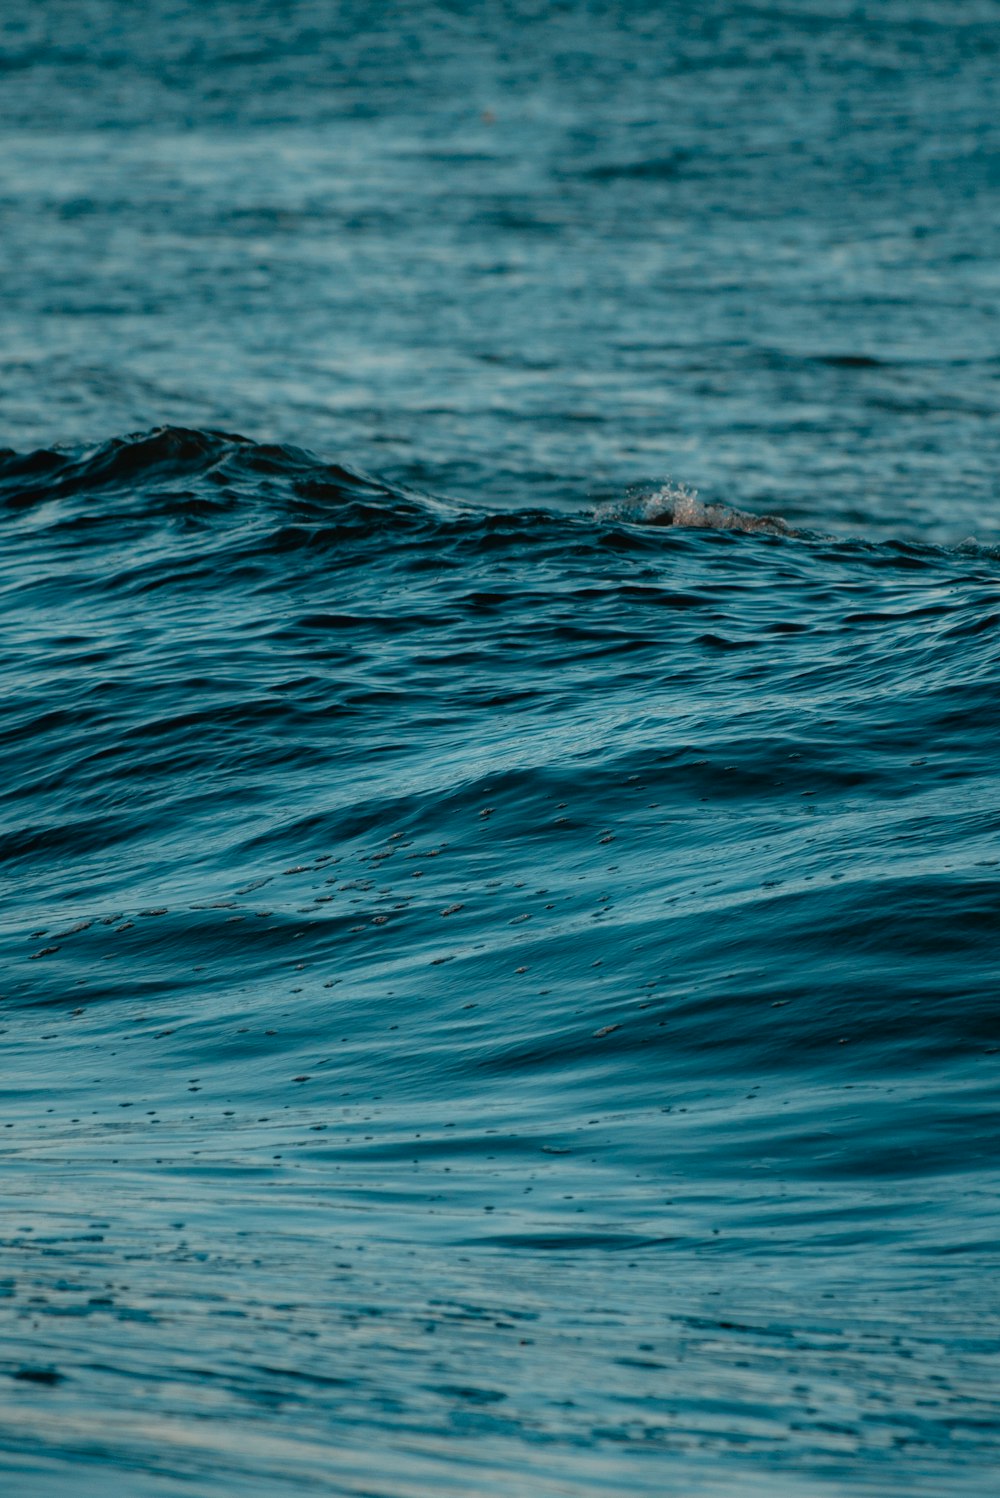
x=680, y=506
x=677, y=505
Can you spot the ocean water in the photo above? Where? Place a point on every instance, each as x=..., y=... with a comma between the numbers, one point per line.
x=499, y=561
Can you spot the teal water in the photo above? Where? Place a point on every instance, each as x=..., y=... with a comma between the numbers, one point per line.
x=499, y=948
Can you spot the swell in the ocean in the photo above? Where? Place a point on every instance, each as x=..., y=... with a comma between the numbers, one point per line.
x=498, y=921
x=404, y=898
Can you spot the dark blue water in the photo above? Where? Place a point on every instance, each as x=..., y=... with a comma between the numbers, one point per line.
x=499, y=949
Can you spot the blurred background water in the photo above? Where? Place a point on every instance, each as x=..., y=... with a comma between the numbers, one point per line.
x=498, y=949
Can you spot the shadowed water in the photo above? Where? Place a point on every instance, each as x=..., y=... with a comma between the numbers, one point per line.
x=499, y=948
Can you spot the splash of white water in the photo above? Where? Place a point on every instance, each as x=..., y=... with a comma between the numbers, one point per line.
x=676, y=504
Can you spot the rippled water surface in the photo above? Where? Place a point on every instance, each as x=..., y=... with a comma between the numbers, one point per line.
x=499, y=948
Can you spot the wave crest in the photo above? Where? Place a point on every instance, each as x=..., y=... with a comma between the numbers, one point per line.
x=191, y=474
x=676, y=504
